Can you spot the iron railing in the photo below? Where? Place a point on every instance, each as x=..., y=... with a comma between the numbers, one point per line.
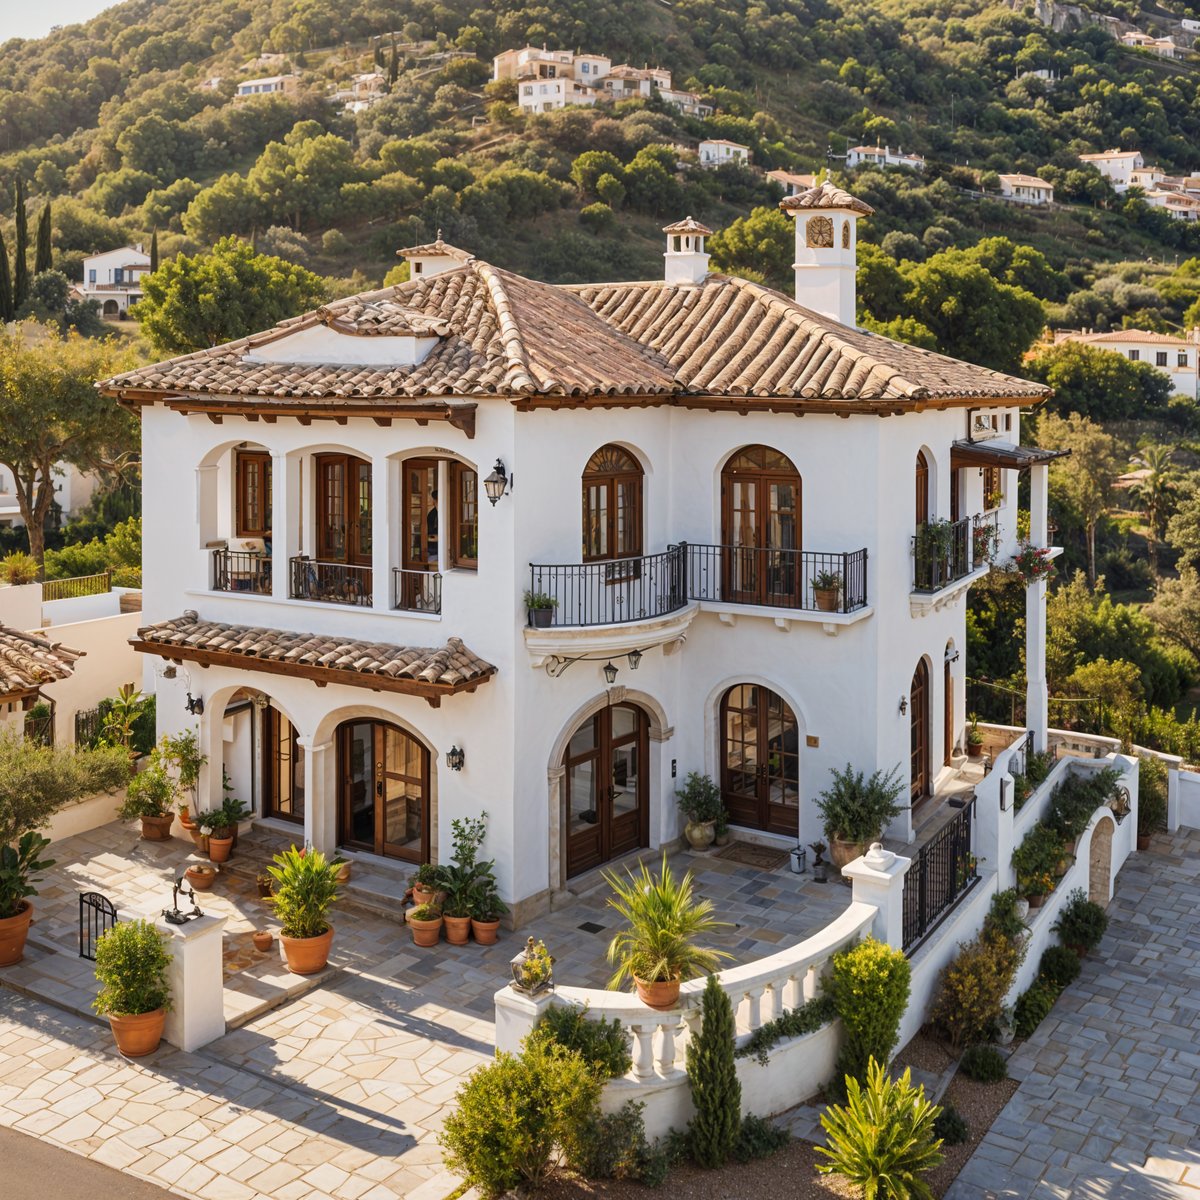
x=612, y=592
x=941, y=554
x=815, y=580
x=97, y=915
x=89, y=725
x=942, y=872
x=39, y=729
x=80, y=585
x=416, y=591
x=241, y=571
x=335, y=583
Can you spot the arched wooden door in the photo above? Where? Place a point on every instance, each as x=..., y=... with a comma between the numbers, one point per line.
x=760, y=528
x=918, y=710
x=606, y=781
x=760, y=759
x=383, y=791
x=922, y=490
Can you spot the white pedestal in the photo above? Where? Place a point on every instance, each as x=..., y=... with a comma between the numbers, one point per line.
x=878, y=879
x=516, y=1016
x=197, y=981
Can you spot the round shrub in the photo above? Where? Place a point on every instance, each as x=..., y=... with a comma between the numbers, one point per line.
x=1032, y=1007
x=1059, y=966
x=596, y=217
x=1081, y=922
x=869, y=985
x=518, y=1117
x=972, y=989
x=601, y=1043
x=951, y=1126
x=983, y=1064
x=131, y=965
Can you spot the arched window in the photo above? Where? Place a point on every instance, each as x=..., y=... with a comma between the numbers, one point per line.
x=761, y=527
x=922, y=498
x=612, y=505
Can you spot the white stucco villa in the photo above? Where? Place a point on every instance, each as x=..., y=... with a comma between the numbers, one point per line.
x=114, y=279
x=479, y=542
x=1026, y=189
x=1176, y=357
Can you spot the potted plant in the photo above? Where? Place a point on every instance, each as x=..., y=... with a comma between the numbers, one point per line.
x=540, y=609
x=150, y=796
x=20, y=869
x=265, y=889
x=933, y=546
x=305, y=888
x=974, y=738
x=201, y=876
x=826, y=586
x=533, y=968
x=262, y=939
x=124, y=709
x=1081, y=923
x=456, y=908
x=182, y=751
x=658, y=950
x=427, y=883
x=855, y=808
x=486, y=906
x=425, y=921
x=721, y=834
x=218, y=835
x=700, y=801
x=131, y=965
x=820, y=867
x=1035, y=861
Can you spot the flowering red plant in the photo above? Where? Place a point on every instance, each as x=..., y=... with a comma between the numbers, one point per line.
x=1033, y=563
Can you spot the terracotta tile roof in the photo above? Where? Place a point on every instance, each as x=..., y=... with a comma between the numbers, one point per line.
x=826, y=195
x=437, y=247
x=28, y=661
x=688, y=225
x=514, y=337
x=1133, y=335
x=383, y=666
x=1029, y=180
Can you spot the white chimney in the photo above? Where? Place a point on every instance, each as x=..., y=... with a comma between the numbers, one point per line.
x=685, y=260
x=826, y=249
x=432, y=259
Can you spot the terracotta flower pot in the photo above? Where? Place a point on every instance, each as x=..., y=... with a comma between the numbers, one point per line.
x=157, y=829
x=200, y=839
x=826, y=598
x=307, y=956
x=425, y=933
x=1143, y=841
x=458, y=929
x=485, y=931
x=658, y=995
x=842, y=852
x=219, y=849
x=423, y=895
x=13, y=932
x=138, y=1035
x=263, y=939
x=201, y=878
x=1036, y=901
x=700, y=834
x=343, y=875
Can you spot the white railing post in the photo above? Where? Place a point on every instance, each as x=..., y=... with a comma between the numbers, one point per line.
x=643, y=1051
x=878, y=879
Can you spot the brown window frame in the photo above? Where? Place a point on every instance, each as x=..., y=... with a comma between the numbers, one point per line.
x=464, y=515
x=245, y=527
x=273, y=735
x=611, y=482
x=992, y=476
x=353, y=553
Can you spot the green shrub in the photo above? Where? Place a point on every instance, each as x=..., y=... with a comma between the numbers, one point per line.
x=131, y=965
x=601, y=1043
x=758, y=1139
x=614, y=1146
x=18, y=568
x=983, y=1064
x=1038, y=766
x=1032, y=1007
x=305, y=888
x=972, y=989
x=869, y=987
x=1059, y=966
x=150, y=793
x=126, y=577
x=951, y=1126
x=1002, y=920
x=596, y=217
x=712, y=1076
x=883, y=1139
x=793, y=1023
x=1081, y=922
x=1152, y=796
x=1036, y=859
x=518, y=1117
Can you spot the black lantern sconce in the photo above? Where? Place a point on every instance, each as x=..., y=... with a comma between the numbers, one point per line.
x=497, y=483
x=455, y=757
x=903, y=705
x=634, y=658
x=195, y=705
x=610, y=673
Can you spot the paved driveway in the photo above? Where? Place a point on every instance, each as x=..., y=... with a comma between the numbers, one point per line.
x=1109, y=1102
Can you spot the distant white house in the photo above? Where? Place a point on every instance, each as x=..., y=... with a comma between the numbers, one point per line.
x=545, y=95
x=268, y=85
x=1163, y=47
x=1117, y=166
x=882, y=156
x=716, y=152
x=1175, y=357
x=1177, y=204
x=363, y=91
x=1026, y=189
x=792, y=184
x=691, y=104
x=73, y=489
x=1147, y=179
x=114, y=279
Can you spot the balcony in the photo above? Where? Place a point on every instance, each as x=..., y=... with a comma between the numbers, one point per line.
x=613, y=592
x=241, y=571
x=329, y=583
x=947, y=553
x=416, y=591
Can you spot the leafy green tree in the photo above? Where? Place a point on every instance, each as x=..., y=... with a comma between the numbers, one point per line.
x=712, y=1077
x=760, y=246
x=1101, y=385
x=1175, y=609
x=591, y=165
x=194, y=302
x=8, y=309
x=51, y=412
x=1155, y=490
x=880, y=283
x=44, y=256
x=1117, y=684
x=902, y=329
x=20, y=248
x=1183, y=526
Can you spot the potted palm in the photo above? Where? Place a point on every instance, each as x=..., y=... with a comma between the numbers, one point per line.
x=855, y=808
x=150, y=796
x=305, y=888
x=826, y=586
x=700, y=801
x=540, y=608
x=20, y=869
x=974, y=738
x=658, y=950
x=131, y=965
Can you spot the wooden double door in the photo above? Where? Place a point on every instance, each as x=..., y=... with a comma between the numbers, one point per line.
x=383, y=791
x=606, y=782
x=760, y=528
x=760, y=760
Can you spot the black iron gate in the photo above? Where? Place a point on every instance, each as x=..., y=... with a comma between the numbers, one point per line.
x=97, y=915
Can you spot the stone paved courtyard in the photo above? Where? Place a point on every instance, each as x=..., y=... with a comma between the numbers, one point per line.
x=1109, y=1102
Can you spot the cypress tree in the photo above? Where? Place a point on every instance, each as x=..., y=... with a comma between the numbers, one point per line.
x=154, y=252
x=21, y=250
x=712, y=1076
x=43, y=257
x=7, y=308
x=394, y=67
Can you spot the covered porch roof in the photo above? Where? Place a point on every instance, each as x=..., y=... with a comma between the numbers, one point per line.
x=29, y=662
x=1000, y=454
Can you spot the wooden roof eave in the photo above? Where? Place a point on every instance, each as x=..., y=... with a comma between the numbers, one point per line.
x=321, y=676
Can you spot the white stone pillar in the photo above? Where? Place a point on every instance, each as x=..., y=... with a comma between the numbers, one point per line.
x=197, y=1015
x=210, y=734
x=381, y=557
x=1039, y=493
x=283, y=525
x=1037, y=692
x=878, y=879
x=320, y=801
x=516, y=1016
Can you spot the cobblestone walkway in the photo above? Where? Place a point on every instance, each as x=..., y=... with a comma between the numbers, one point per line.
x=1109, y=1102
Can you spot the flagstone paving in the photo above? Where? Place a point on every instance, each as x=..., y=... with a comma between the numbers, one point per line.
x=1109, y=1102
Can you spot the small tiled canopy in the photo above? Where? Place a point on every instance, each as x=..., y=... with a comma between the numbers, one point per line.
x=28, y=662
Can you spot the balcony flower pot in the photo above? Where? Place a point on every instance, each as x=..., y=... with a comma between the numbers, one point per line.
x=307, y=956
x=13, y=932
x=700, y=834
x=426, y=924
x=263, y=939
x=659, y=994
x=220, y=847
x=541, y=618
x=540, y=609
x=140, y=1034
x=826, y=598
x=485, y=932
x=458, y=929
x=201, y=877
